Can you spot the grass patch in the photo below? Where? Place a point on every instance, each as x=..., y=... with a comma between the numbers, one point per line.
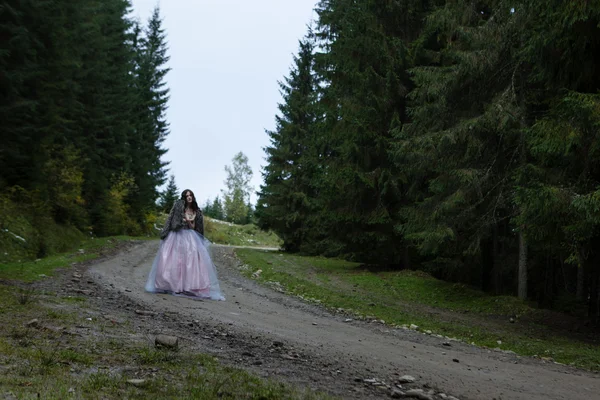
x=100, y=359
x=239, y=235
x=29, y=271
x=401, y=298
x=221, y=232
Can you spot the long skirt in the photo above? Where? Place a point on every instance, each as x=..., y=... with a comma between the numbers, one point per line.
x=184, y=267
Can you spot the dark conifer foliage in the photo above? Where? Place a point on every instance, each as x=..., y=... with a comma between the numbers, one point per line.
x=460, y=136
x=74, y=76
x=151, y=127
x=286, y=199
x=168, y=196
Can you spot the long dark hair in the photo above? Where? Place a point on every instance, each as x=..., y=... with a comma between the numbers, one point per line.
x=194, y=205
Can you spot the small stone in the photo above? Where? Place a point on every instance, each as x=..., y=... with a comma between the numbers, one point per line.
x=418, y=394
x=137, y=382
x=447, y=344
x=348, y=320
x=428, y=332
x=33, y=323
x=143, y=312
x=56, y=329
x=397, y=394
x=414, y=327
x=76, y=275
x=455, y=360
x=166, y=341
x=499, y=342
x=406, y=379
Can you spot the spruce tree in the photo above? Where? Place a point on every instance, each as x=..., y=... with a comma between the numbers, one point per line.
x=557, y=189
x=460, y=147
x=107, y=100
x=151, y=127
x=217, y=209
x=207, y=209
x=168, y=196
x=362, y=67
x=284, y=203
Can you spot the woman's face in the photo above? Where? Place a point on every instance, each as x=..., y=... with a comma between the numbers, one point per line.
x=189, y=197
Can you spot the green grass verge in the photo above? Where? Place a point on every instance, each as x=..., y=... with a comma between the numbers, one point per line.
x=407, y=297
x=88, y=249
x=239, y=235
x=75, y=353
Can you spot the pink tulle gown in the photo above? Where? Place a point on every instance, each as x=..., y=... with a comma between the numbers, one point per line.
x=184, y=267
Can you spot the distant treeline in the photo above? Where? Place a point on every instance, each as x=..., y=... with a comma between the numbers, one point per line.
x=82, y=114
x=459, y=137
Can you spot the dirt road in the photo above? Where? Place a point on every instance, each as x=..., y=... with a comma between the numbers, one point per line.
x=279, y=336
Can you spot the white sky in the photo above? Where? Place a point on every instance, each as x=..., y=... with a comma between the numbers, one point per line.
x=226, y=59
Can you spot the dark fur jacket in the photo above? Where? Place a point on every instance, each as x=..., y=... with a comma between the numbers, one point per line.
x=175, y=220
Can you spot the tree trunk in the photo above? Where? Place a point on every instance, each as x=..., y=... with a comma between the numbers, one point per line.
x=594, y=292
x=580, y=283
x=593, y=305
x=522, y=290
x=592, y=274
x=487, y=264
x=546, y=295
x=497, y=268
x=406, y=258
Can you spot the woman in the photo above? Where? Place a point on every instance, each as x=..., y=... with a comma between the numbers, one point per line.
x=182, y=265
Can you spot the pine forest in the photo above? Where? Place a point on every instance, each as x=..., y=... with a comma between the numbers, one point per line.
x=83, y=121
x=457, y=137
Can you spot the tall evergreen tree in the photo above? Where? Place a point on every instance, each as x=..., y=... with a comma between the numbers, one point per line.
x=168, y=196
x=217, y=211
x=108, y=101
x=460, y=149
x=207, y=209
x=68, y=105
x=364, y=84
x=151, y=127
x=286, y=198
x=558, y=187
